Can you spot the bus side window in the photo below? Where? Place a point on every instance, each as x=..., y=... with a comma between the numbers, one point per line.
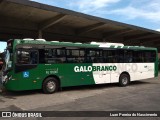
x=33, y=57
x=153, y=56
x=112, y=56
x=74, y=56
x=49, y=56
x=138, y=56
x=61, y=56
x=41, y=56
x=23, y=57
x=27, y=57
x=149, y=56
x=128, y=58
x=120, y=56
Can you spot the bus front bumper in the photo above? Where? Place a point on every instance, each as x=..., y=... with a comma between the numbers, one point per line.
x=3, y=79
x=7, y=83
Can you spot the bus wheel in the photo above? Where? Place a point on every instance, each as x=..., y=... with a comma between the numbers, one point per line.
x=123, y=80
x=50, y=85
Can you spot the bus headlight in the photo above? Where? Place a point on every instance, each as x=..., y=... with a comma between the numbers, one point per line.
x=4, y=79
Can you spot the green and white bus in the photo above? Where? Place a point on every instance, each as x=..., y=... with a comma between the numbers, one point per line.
x=39, y=64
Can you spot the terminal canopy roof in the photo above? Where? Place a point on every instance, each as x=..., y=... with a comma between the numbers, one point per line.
x=27, y=19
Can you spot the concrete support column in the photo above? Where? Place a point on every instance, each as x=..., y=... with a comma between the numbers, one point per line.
x=40, y=34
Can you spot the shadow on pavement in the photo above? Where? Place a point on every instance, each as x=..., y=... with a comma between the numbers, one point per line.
x=139, y=83
x=101, y=86
x=14, y=94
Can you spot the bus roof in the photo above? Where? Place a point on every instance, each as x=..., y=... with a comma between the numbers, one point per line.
x=85, y=45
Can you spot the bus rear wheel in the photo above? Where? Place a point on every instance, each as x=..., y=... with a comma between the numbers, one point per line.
x=50, y=85
x=124, y=80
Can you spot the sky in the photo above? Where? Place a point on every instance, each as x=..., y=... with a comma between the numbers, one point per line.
x=2, y=46
x=143, y=13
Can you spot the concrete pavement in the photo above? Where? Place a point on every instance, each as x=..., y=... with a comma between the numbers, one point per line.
x=138, y=96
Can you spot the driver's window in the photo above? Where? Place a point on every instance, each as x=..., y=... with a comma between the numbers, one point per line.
x=27, y=57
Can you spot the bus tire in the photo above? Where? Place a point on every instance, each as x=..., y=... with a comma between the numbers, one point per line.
x=50, y=85
x=124, y=80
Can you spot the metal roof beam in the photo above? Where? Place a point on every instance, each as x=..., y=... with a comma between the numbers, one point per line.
x=117, y=33
x=157, y=46
x=107, y=34
x=146, y=36
x=90, y=28
x=154, y=39
x=140, y=37
x=154, y=43
x=136, y=36
x=147, y=41
x=64, y=37
x=1, y=1
x=51, y=22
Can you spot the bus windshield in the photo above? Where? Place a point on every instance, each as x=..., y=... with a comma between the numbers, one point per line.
x=8, y=63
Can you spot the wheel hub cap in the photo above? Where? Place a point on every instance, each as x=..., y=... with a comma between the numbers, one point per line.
x=51, y=85
x=124, y=80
